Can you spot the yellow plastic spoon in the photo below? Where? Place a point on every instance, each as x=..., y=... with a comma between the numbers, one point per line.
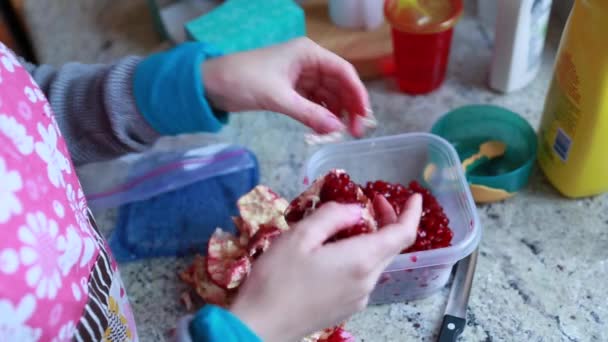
x=483, y=194
x=488, y=150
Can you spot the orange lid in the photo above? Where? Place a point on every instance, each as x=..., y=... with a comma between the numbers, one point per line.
x=423, y=16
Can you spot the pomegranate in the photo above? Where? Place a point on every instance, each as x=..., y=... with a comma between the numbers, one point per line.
x=336, y=186
x=396, y=194
x=433, y=231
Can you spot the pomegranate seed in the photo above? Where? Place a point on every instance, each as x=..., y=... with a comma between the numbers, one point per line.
x=433, y=231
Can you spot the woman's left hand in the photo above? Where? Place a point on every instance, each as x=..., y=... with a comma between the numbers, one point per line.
x=298, y=78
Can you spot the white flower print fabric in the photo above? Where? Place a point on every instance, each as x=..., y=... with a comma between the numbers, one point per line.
x=13, y=320
x=15, y=132
x=10, y=183
x=56, y=162
x=40, y=254
x=50, y=251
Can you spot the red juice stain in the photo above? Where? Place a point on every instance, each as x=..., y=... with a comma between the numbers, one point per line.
x=306, y=181
x=414, y=258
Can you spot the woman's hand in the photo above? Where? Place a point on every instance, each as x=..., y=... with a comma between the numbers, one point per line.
x=298, y=78
x=301, y=285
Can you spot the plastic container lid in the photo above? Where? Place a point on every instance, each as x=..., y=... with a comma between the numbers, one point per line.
x=423, y=16
x=469, y=126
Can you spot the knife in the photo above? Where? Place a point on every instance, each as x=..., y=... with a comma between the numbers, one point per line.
x=454, y=319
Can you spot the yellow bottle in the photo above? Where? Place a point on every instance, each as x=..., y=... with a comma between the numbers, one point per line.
x=573, y=136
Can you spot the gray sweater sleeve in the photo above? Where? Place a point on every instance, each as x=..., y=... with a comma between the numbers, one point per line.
x=95, y=108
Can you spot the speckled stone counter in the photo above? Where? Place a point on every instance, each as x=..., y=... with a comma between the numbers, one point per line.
x=542, y=273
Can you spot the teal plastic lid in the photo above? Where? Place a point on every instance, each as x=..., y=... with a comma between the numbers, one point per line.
x=468, y=127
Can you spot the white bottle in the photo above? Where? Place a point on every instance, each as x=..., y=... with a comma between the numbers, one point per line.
x=357, y=14
x=521, y=29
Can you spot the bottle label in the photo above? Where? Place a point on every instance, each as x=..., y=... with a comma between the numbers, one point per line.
x=562, y=113
x=539, y=21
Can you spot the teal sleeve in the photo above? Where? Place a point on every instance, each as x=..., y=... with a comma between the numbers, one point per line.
x=169, y=91
x=214, y=324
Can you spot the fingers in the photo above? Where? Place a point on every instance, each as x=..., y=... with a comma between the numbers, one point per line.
x=315, y=229
x=384, y=211
x=403, y=232
x=311, y=114
x=324, y=96
x=365, y=257
x=387, y=242
x=330, y=79
x=356, y=127
x=354, y=94
x=346, y=84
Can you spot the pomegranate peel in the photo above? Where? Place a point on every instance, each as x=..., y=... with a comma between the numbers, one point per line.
x=223, y=245
x=306, y=202
x=260, y=242
x=196, y=276
x=261, y=206
x=228, y=273
x=227, y=261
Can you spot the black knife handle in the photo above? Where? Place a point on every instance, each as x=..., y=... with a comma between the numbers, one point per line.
x=451, y=328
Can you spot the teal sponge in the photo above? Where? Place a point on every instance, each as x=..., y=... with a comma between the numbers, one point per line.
x=241, y=25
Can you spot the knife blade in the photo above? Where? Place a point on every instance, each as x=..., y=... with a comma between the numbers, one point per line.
x=454, y=319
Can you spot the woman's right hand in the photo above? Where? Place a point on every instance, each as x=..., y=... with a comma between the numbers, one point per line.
x=301, y=285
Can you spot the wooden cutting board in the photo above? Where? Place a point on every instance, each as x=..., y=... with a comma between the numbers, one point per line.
x=369, y=51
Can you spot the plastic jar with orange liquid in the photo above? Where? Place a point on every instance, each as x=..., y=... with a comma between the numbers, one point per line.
x=422, y=36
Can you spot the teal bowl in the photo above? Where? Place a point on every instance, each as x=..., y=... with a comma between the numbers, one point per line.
x=466, y=128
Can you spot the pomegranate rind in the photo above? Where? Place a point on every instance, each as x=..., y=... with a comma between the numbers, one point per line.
x=306, y=202
x=227, y=261
x=228, y=273
x=262, y=239
x=243, y=231
x=261, y=206
x=223, y=245
x=196, y=276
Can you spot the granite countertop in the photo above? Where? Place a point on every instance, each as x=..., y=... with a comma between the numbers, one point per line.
x=543, y=264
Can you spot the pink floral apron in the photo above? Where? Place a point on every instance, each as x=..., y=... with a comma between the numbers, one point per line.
x=58, y=281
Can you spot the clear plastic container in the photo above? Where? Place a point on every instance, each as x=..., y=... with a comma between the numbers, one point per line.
x=403, y=158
